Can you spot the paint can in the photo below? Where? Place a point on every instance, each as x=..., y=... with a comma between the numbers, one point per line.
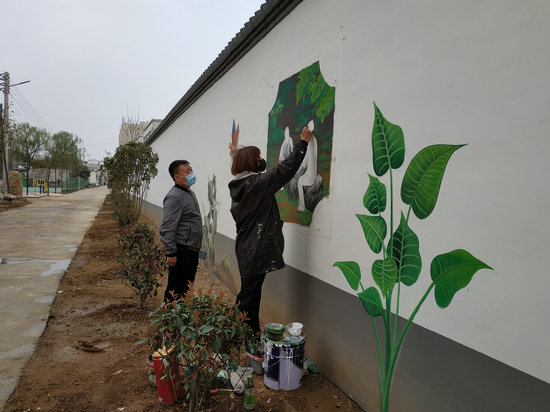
x=284, y=362
x=169, y=388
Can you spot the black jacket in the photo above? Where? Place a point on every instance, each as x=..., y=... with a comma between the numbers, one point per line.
x=260, y=243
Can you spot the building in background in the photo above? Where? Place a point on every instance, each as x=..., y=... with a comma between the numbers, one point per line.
x=148, y=130
x=96, y=176
x=130, y=131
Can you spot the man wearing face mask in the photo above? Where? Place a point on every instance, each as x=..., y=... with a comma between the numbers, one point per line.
x=181, y=230
x=259, y=244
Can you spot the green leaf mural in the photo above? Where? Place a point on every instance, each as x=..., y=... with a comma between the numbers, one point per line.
x=401, y=262
x=375, y=230
x=406, y=253
x=388, y=144
x=375, y=196
x=422, y=180
x=384, y=273
x=451, y=272
x=351, y=271
x=370, y=298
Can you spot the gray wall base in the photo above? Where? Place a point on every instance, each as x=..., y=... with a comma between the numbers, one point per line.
x=433, y=373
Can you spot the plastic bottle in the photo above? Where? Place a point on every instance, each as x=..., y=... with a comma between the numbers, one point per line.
x=249, y=393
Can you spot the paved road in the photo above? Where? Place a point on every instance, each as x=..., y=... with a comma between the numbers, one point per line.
x=37, y=244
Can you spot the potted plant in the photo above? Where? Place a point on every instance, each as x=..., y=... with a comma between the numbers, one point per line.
x=254, y=351
x=207, y=335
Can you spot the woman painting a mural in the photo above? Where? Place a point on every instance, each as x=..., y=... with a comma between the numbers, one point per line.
x=259, y=244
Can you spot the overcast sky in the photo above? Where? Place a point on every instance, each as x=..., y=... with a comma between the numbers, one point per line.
x=92, y=61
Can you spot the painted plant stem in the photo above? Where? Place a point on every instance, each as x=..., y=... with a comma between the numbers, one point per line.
x=401, y=261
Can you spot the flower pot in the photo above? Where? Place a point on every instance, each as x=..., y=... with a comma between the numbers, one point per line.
x=256, y=363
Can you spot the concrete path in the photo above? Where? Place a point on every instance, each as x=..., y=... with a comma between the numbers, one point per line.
x=37, y=244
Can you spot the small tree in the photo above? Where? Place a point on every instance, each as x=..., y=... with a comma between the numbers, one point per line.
x=62, y=152
x=130, y=171
x=142, y=261
x=27, y=141
x=206, y=332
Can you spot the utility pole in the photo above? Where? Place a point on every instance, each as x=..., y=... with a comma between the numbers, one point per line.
x=5, y=125
x=5, y=86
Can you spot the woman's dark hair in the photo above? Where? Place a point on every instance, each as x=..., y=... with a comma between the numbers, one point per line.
x=245, y=160
x=174, y=166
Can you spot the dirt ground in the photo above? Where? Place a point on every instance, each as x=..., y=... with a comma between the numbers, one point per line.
x=87, y=360
x=9, y=204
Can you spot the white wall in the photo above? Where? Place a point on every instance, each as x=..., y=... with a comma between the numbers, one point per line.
x=447, y=72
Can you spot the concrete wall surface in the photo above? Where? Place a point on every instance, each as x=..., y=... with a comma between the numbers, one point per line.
x=446, y=72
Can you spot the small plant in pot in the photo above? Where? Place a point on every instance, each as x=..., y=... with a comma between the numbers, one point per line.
x=254, y=348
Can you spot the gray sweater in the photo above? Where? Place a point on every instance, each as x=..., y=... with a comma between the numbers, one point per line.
x=181, y=221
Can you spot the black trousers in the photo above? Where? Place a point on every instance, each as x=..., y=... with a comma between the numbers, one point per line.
x=248, y=299
x=181, y=273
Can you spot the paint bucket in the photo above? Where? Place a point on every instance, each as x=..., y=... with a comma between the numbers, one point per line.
x=169, y=388
x=284, y=363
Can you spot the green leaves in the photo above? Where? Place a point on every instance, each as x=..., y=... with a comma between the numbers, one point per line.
x=375, y=196
x=388, y=144
x=406, y=253
x=312, y=83
x=451, y=272
x=422, y=180
x=371, y=301
x=351, y=271
x=375, y=229
x=384, y=273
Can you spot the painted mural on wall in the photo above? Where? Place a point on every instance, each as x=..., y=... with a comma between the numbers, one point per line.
x=209, y=228
x=302, y=99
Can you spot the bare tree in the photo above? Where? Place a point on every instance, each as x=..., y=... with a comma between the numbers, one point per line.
x=131, y=127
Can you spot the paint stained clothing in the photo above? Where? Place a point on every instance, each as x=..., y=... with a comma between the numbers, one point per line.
x=259, y=244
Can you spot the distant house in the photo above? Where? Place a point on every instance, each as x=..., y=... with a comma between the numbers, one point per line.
x=130, y=132
x=148, y=130
x=95, y=175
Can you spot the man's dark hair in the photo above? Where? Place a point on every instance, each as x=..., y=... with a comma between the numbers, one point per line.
x=245, y=160
x=174, y=166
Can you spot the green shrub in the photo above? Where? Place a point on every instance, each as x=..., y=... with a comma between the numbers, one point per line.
x=206, y=332
x=130, y=171
x=142, y=261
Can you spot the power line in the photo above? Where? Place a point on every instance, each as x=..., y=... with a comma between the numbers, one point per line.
x=29, y=109
x=25, y=112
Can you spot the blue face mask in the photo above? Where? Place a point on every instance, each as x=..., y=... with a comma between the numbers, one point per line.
x=191, y=179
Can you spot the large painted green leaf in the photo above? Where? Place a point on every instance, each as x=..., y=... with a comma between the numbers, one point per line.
x=406, y=253
x=422, y=180
x=375, y=196
x=375, y=230
x=384, y=273
x=371, y=301
x=388, y=144
x=351, y=271
x=451, y=272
